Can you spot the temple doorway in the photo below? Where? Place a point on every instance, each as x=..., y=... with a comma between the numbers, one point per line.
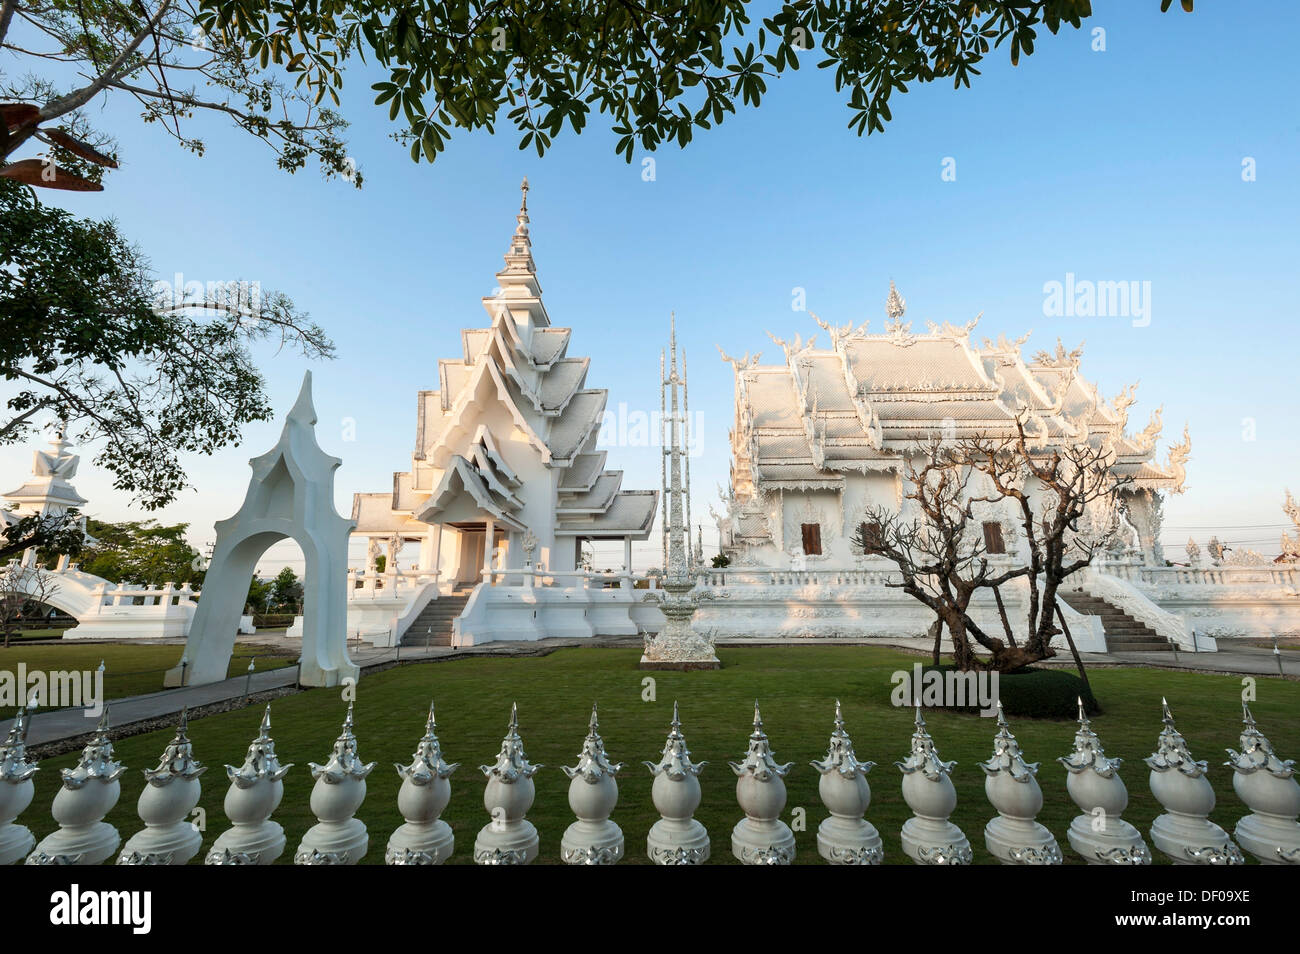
x=470, y=569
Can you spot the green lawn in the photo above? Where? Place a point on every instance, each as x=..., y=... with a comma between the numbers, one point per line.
x=48, y=632
x=796, y=686
x=129, y=670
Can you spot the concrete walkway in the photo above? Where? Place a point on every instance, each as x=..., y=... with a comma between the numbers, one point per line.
x=60, y=724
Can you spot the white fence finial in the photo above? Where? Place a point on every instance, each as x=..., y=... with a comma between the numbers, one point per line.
x=425, y=839
x=170, y=794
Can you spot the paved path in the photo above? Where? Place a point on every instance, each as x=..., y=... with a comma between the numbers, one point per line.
x=60, y=724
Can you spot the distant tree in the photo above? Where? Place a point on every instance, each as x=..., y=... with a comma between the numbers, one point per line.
x=89, y=347
x=259, y=595
x=381, y=562
x=721, y=560
x=286, y=590
x=142, y=553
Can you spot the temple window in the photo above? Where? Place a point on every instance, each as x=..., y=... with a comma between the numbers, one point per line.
x=993, y=541
x=812, y=539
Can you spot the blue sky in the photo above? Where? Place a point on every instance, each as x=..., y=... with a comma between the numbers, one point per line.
x=1117, y=165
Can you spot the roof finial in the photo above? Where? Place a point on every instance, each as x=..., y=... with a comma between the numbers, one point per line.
x=895, y=306
x=522, y=217
x=520, y=256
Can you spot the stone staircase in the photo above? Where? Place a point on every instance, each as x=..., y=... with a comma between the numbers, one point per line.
x=1124, y=634
x=433, y=627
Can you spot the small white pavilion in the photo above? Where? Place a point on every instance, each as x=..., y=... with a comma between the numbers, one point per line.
x=47, y=491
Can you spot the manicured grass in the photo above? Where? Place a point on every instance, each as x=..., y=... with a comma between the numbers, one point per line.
x=47, y=632
x=797, y=687
x=129, y=670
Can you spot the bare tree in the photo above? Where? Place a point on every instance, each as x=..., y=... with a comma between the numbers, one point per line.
x=1064, y=496
x=22, y=590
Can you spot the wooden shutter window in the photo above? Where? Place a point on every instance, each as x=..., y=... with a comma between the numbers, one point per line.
x=812, y=539
x=993, y=542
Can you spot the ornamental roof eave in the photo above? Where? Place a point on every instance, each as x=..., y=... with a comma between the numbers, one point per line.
x=794, y=409
x=459, y=480
x=458, y=432
x=374, y=515
x=630, y=514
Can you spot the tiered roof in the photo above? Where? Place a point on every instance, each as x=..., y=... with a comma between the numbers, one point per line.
x=521, y=363
x=867, y=401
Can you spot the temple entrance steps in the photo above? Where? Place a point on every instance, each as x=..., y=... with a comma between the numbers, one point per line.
x=1124, y=634
x=433, y=625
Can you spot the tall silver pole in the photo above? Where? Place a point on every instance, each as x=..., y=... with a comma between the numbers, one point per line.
x=663, y=459
x=686, y=444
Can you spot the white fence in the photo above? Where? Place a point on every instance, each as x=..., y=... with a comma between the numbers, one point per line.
x=1099, y=835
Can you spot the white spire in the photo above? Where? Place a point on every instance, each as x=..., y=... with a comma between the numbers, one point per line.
x=520, y=256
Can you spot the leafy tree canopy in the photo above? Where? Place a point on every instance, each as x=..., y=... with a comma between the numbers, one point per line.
x=154, y=52
x=286, y=589
x=142, y=553
x=658, y=71
x=92, y=346
x=87, y=345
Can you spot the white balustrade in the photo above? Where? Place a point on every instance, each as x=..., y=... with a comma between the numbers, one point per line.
x=1265, y=783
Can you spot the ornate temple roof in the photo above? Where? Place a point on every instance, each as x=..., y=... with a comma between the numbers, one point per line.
x=518, y=364
x=866, y=401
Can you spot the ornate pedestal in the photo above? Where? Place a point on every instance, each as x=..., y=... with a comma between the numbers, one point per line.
x=1100, y=835
x=89, y=791
x=1014, y=837
x=338, y=838
x=846, y=838
x=425, y=839
x=676, y=646
x=928, y=837
x=1268, y=787
x=256, y=788
x=761, y=838
x=1184, y=832
x=510, y=838
x=593, y=839
x=16, y=790
x=677, y=838
x=170, y=793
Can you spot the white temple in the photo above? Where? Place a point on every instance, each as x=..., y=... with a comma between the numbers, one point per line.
x=823, y=436
x=506, y=483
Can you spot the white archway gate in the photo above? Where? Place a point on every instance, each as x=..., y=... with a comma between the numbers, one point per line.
x=290, y=495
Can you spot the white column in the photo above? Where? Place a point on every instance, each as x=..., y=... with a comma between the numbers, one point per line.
x=489, y=543
x=627, y=563
x=436, y=565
